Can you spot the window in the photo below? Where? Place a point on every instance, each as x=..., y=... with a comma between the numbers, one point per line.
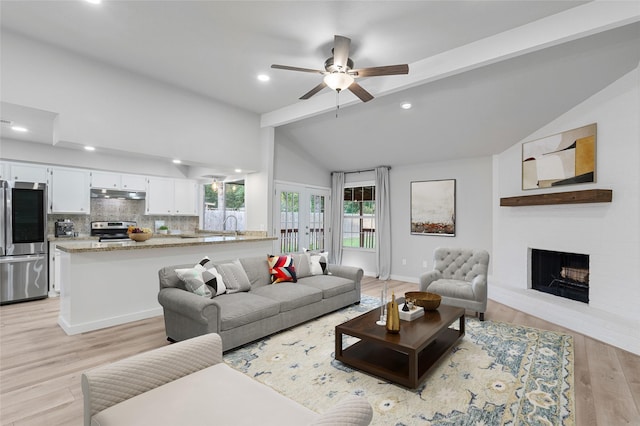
x=222, y=200
x=358, y=225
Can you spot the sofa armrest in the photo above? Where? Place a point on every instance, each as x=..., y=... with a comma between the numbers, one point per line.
x=197, y=308
x=113, y=383
x=349, y=272
x=351, y=411
x=427, y=278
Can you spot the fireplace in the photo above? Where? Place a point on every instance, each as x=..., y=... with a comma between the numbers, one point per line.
x=561, y=274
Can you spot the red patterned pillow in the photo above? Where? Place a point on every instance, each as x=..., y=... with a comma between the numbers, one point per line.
x=281, y=269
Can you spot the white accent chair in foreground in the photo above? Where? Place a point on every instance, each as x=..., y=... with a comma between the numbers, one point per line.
x=460, y=277
x=188, y=383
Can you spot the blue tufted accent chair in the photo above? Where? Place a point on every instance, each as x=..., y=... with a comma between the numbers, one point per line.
x=460, y=277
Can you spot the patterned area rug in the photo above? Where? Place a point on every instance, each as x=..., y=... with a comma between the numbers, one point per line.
x=498, y=374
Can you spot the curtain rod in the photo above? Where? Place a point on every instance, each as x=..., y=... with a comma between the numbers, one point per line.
x=361, y=171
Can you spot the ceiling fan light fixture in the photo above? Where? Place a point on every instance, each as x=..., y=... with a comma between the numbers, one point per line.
x=338, y=80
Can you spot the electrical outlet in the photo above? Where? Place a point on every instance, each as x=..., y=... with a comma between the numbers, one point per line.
x=404, y=261
x=424, y=263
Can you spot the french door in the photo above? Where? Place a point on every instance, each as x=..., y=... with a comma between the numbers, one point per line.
x=300, y=217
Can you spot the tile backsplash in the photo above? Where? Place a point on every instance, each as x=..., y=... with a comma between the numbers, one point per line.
x=121, y=210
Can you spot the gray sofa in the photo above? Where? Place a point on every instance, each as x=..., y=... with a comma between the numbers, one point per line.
x=188, y=383
x=266, y=308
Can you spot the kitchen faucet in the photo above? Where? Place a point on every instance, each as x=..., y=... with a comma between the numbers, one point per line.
x=235, y=219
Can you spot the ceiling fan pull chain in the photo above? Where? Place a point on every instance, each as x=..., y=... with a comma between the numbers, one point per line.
x=337, y=102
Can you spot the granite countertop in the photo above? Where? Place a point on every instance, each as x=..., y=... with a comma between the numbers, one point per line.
x=80, y=245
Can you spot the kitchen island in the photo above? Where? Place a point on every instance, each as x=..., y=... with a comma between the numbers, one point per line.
x=103, y=284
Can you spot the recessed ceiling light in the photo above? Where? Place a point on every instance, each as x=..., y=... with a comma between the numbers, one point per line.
x=19, y=129
x=405, y=105
x=94, y=1
x=264, y=77
x=176, y=161
x=89, y=148
x=238, y=170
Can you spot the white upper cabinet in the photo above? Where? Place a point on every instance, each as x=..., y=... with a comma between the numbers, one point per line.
x=27, y=172
x=69, y=191
x=172, y=197
x=159, y=199
x=4, y=170
x=185, y=197
x=107, y=180
x=133, y=183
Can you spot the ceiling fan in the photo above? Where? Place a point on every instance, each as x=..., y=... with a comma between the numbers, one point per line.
x=339, y=73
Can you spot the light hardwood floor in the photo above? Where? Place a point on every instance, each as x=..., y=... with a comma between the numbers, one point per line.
x=40, y=365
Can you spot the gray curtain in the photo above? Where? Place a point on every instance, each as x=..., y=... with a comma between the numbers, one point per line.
x=383, y=224
x=337, y=209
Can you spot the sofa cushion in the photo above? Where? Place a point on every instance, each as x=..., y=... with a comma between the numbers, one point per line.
x=290, y=295
x=257, y=269
x=281, y=269
x=329, y=284
x=215, y=395
x=238, y=309
x=452, y=288
x=234, y=277
x=302, y=264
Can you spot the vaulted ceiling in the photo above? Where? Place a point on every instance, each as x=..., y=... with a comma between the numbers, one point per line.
x=483, y=74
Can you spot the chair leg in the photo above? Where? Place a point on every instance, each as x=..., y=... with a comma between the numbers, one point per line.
x=481, y=316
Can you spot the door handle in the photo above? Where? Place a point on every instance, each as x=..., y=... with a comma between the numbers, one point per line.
x=19, y=259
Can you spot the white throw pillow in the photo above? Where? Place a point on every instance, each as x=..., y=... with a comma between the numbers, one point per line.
x=203, y=279
x=318, y=262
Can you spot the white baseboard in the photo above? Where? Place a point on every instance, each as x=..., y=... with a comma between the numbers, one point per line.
x=109, y=322
x=403, y=278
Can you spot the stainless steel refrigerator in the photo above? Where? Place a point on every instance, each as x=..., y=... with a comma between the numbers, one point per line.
x=23, y=241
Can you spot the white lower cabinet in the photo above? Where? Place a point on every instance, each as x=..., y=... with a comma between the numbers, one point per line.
x=172, y=197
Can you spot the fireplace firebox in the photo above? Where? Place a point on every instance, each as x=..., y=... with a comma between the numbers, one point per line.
x=561, y=274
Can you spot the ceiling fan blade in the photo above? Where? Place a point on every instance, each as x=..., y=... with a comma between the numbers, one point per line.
x=286, y=67
x=378, y=71
x=341, y=47
x=313, y=91
x=359, y=91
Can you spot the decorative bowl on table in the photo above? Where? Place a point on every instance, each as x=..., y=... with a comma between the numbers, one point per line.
x=140, y=236
x=429, y=301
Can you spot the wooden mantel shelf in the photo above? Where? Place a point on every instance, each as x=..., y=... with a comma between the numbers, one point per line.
x=572, y=197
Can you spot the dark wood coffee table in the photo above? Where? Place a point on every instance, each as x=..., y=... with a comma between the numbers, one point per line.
x=403, y=358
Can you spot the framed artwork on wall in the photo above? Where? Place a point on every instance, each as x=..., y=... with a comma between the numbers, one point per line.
x=564, y=159
x=433, y=207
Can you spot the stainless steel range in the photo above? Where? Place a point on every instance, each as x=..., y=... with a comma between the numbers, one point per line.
x=111, y=231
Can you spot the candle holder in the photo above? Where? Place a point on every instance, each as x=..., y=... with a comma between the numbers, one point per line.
x=383, y=306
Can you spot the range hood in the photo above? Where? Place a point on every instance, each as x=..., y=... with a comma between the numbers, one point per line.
x=118, y=195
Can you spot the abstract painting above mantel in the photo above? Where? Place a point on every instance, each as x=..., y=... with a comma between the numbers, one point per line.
x=433, y=207
x=566, y=158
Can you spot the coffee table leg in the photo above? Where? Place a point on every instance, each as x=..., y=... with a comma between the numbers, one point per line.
x=338, y=344
x=413, y=369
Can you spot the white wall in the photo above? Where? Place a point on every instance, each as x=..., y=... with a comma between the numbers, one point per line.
x=609, y=232
x=473, y=213
x=293, y=164
x=259, y=186
x=109, y=107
